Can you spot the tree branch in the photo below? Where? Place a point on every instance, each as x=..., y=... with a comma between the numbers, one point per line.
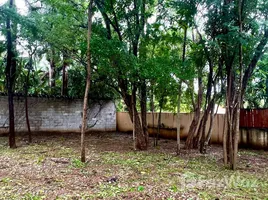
x=257, y=55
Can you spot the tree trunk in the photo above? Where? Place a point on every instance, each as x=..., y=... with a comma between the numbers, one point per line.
x=52, y=72
x=233, y=104
x=179, y=95
x=189, y=144
x=140, y=138
x=238, y=98
x=159, y=120
x=64, y=91
x=202, y=134
x=229, y=116
x=143, y=104
x=213, y=113
x=26, y=105
x=10, y=76
x=224, y=139
x=197, y=113
x=133, y=104
x=178, y=149
x=141, y=141
x=152, y=110
x=85, y=107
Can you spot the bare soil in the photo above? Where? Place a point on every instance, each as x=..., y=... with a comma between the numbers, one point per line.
x=50, y=168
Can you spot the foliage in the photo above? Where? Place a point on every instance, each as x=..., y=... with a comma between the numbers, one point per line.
x=62, y=26
x=257, y=90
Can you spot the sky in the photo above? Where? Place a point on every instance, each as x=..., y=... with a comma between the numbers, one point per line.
x=22, y=9
x=20, y=4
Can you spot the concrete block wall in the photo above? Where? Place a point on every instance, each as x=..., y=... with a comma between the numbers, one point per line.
x=53, y=114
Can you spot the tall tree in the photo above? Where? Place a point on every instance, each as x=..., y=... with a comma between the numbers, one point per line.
x=180, y=91
x=134, y=14
x=240, y=39
x=10, y=74
x=85, y=107
x=236, y=84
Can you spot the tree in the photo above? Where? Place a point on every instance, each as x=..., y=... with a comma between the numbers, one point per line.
x=29, y=67
x=183, y=18
x=198, y=58
x=234, y=28
x=85, y=107
x=10, y=73
x=115, y=14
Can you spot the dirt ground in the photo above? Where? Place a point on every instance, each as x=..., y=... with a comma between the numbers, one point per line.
x=49, y=168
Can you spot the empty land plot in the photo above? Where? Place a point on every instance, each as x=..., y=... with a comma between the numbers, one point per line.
x=50, y=168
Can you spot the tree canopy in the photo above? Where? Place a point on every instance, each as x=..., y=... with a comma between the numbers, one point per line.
x=142, y=51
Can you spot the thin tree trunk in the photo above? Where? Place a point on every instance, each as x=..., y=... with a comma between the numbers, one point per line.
x=179, y=120
x=52, y=73
x=198, y=136
x=10, y=75
x=179, y=95
x=212, y=117
x=238, y=99
x=225, y=156
x=64, y=91
x=152, y=110
x=202, y=134
x=229, y=117
x=26, y=105
x=154, y=133
x=143, y=104
x=133, y=104
x=159, y=120
x=85, y=107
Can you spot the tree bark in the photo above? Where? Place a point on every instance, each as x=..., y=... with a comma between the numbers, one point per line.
x=152, y=110
x=239, y=97
x=140, y=138
x=10, y=76
x=233, y=103
x=202, y=132
x=85, y=107
x=213, y=113
x=133, y=104
x=179, y=94
x=64, y=91
x=178, y=149
x=26, y=103
x=140, y=142
x=159, y=119
x=143, y=104
x=189, y=144
x=224, y=139
x=52, y=71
